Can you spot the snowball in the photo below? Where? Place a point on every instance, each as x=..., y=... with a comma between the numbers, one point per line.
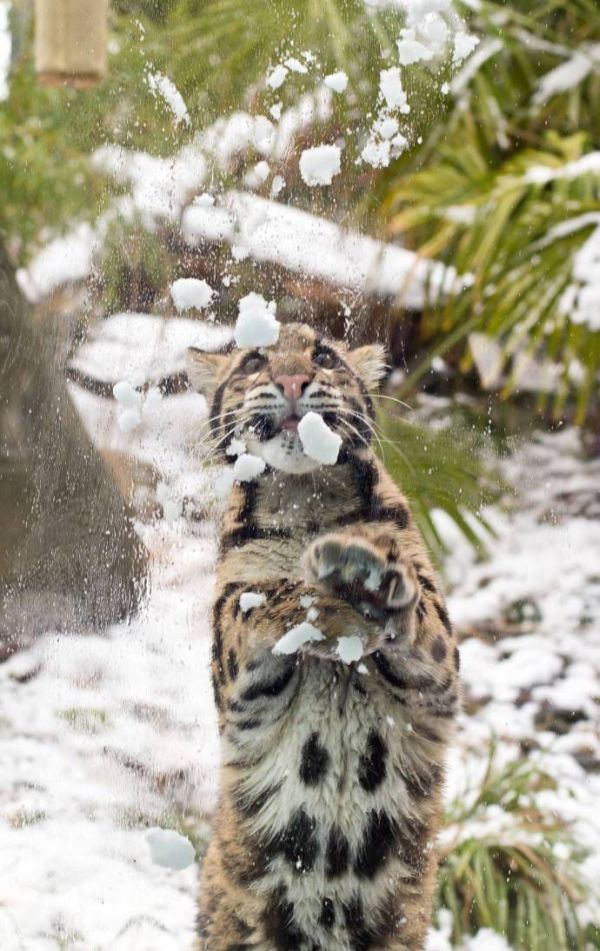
x=399, y=142
x=277, y=77
x=128, y=420
x=376, y=154
x=251, y=599
x=256, y=325
x=235, y=447
x=189, y=292
x=169, y=849
x=337, y=81
x=312, y=614
x=126, y=395
x=350, y=648
x=306, y=600
x=239, y=252
x=318, y=165
x=295, y=66
x=318, y=440
x=293, y=640
x=392, y=91
x=410, y=50
x=464, y=44
x=386, y=127
x=275, y=111
x=261, y=170
x=248, y=467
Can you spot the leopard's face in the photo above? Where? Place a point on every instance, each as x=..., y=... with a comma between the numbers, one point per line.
x=261, y=395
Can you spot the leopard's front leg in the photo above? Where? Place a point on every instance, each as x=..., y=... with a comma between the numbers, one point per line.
x=387, y=577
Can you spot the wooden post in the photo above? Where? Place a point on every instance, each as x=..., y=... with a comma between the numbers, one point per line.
x=71, y=41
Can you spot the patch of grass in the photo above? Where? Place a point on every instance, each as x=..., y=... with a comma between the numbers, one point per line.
x=507, y=866
x=86, y=719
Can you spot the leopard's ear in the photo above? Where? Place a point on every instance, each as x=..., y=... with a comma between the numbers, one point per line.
x=203, y=370
x=369, y=363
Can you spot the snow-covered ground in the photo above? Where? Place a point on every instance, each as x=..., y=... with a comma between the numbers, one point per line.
x=105, y=736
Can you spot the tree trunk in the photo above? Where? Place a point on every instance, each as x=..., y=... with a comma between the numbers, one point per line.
x=69, y=558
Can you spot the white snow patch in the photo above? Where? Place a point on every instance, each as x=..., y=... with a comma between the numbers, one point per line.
x=277, y=185
x=350, y=649
x=296, y=637
x=564, y=77
x=169, y=849
x=318, y=440
x=392, y=90
x=161, y=85
x=248, y=467
x=205, y=200
x=318, y=165
x=337, y=81
x=250, y=600
x=256, y=325
x=190, y=292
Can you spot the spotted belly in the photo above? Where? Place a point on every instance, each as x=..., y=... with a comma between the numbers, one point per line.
x=332, y=813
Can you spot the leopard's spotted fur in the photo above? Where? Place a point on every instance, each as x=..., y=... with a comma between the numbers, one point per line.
x=332, y=773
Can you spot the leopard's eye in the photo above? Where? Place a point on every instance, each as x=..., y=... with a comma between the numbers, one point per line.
x=253, y=363
x=325, y=359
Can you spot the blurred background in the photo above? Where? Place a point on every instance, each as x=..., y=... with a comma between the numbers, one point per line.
x=145, y=144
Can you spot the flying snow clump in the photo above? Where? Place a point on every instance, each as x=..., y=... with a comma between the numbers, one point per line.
x=337, y=81
x=169, y=849
x=296, y=637
x=276, y=77
x=410, y=50
x=190, y=292
x=256, y=325
x=130, y=399
x=248, y=467
x=319, y=164
x=318, y=440
x=161, y=85
x=376, y=154
x=250, y=600
x=392, y=90
x=350, y=649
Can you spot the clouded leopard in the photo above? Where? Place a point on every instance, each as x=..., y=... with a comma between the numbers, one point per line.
x=332, y=772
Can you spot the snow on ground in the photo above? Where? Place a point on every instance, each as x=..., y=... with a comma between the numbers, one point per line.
x=105, y=737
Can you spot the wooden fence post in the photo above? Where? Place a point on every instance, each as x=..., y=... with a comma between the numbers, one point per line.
x=71, y=41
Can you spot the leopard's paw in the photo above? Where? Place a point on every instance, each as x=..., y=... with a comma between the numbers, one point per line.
x=356, y=571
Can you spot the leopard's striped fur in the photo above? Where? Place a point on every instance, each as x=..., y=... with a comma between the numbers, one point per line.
x=331, y=781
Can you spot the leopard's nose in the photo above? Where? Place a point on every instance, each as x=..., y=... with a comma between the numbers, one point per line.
x=292, y=386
